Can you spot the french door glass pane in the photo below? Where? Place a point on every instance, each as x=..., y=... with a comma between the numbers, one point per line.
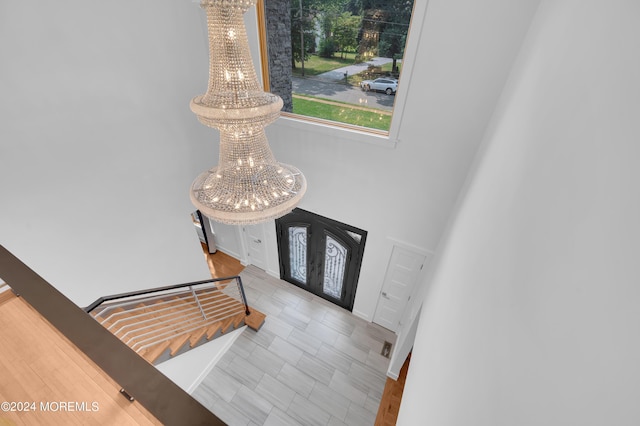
x=334, y=266
x=298, y=253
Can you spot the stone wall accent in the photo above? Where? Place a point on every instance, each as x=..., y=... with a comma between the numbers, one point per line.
x=278, y=24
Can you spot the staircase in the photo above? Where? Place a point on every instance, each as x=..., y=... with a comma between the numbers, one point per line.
x=161, y=323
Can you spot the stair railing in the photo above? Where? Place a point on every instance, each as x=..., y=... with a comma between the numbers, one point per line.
x=195, y=297
x=177, y=310
x=116, y=300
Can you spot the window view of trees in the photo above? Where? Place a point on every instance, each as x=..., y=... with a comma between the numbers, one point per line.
x=338, y=60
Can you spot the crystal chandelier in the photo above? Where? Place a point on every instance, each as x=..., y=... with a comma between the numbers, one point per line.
x=248, y=185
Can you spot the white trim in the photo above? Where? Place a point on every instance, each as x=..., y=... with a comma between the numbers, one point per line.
x=230, y=253
x=188, y=371
x=231, y=338
x=238, y=238
x=361, y=315
x=242, y=256
x=336, y=131
x=408, y=59
x=408, y=246
x=274, y=274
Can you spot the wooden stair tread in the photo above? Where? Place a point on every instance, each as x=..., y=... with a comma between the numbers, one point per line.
x=150, y=330
x=158, y=307
x=197, y=335
x=255, y=320
x=213, y=329
x=226, y=324
x=178, y=342
x=169, y=338
x=145, y=320
x=165, y=315
x=239, y=319
x=152, y=353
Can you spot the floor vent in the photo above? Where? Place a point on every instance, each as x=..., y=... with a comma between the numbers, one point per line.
x=386, y=349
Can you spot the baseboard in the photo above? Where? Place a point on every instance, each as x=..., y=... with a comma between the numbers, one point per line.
x=227, y=344
x=229, y=252
x=361, y=315
x=189, y=369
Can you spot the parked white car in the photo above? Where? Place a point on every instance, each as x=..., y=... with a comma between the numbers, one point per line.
x=382, y=84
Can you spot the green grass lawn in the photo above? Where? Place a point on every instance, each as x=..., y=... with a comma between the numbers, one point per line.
x=315, y=65
x=342, y=114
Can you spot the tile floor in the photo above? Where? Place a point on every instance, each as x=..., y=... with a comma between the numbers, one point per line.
x=312, y=363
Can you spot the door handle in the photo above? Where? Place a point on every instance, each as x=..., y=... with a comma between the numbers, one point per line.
x=384, y=294
x=258, y=241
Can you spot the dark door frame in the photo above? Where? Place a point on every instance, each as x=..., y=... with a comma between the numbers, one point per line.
x=318, y=228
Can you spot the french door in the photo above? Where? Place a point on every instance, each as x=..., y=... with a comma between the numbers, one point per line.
x=320, y=255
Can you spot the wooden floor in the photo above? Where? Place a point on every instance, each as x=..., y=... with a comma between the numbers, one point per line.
x=391, y=398
x=221, y=264
x=47, y=380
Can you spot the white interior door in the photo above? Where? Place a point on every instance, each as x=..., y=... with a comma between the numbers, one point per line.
x=254, y=239
x=402, y=275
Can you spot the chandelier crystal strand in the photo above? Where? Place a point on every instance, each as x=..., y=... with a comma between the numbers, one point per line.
x=248, y=185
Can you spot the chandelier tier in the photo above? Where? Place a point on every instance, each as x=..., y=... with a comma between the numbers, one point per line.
x=248, y=185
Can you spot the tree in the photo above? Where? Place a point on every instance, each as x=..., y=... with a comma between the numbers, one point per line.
x=321, y=15
x=384, y=29
x=345, y=32
x=302, y=30
x=394, y=35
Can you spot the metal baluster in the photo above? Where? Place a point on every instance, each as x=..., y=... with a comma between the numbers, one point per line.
x=244, y=298
x=195, y=296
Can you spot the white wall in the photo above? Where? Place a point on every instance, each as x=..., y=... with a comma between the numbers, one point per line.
x=189, y=369
x=406, y=194
x=97, y=143
x=532, y=317
x=228, y=239
x=98, y=146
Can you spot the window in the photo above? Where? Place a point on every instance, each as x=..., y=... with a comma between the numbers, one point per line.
x=337, y=62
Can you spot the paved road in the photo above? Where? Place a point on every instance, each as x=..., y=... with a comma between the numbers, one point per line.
x=340, y=91
x=332, y=85
x=338, y=74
